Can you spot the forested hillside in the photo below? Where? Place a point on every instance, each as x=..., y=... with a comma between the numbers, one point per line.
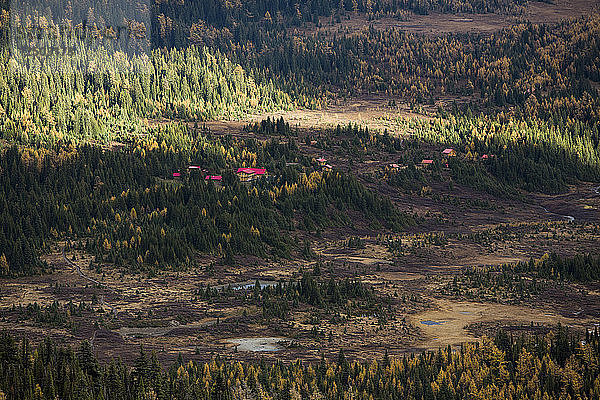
x=546, y=72
x=534, y=88
x=527, y=71
x=45, y=100
x=531, y=154
x=498, y=156
x=124, y=206
x=217, y=179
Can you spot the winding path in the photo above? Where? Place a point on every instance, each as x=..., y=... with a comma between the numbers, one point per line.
x=84, y=276
x=569, y=218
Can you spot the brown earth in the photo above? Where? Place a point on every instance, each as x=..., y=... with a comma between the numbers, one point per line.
x=536, y=12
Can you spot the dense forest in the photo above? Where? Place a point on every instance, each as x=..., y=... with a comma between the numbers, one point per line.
x=560, y=365
x=530, y=154
x=530, y=66
x=547, y=72
x=536, y=80
x=43, y=104
x=541, y=97
x=125, y=207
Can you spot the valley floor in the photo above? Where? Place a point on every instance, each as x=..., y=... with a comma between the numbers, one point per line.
x=165, y=313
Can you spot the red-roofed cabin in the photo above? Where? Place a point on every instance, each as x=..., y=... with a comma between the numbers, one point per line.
x=484, y=157
x=425, y=163
x=176, y=175
x=322, y=161
x=396, y=167
x=250, y=174
x=449, y=152
x=256, y=171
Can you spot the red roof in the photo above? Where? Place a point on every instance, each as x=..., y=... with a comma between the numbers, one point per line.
x=427, y=162
x=485, y=156
x=321, y=159
x=194, y=167
x=447, y=151
x=214, y=178
x=176, y=174
x=257, y=171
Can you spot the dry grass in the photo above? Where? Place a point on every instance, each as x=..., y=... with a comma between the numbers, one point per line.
x=435, y=23
x=457, y=317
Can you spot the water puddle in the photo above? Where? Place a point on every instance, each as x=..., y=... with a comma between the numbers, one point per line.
x=433, y=322
x=261, y=344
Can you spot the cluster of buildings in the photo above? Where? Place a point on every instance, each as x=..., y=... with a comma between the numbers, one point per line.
x=426, y=162
x=245, y=174
x=251, y=174
x=446, y=154
x=213, y=178
x=322, y=162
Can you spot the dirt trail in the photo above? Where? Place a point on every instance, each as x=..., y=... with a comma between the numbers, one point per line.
x=570, y=218
x=84, y=276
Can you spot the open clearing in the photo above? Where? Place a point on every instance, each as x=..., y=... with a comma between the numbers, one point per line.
x=456, y=317
x=437, y=23
x=258, y=344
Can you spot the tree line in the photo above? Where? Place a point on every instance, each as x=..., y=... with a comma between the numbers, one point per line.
x=561, y=365
x=579, y=268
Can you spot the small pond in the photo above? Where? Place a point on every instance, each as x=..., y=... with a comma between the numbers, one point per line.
x=258, y=344
x=433, y=322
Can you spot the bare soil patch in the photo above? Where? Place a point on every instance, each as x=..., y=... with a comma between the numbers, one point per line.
x=435, y=23
x=460, y=319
